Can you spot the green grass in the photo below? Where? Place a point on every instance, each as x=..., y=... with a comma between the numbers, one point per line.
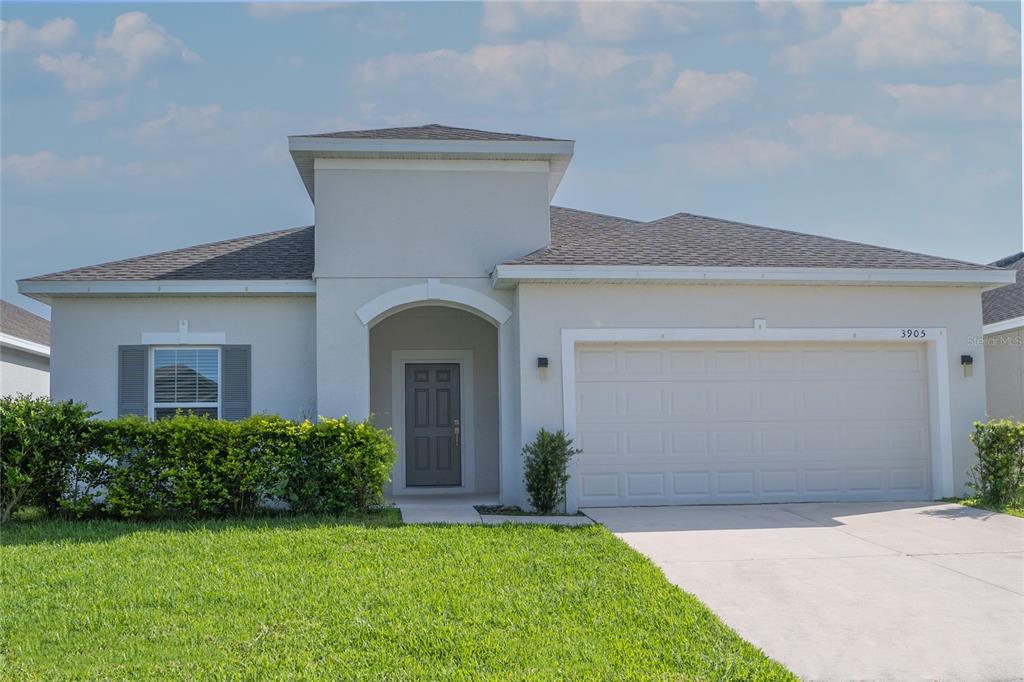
x=332, y=598
x=1012, y=510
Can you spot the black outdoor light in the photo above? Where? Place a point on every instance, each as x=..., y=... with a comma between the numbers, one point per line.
x=966, y=360
x=542, y=363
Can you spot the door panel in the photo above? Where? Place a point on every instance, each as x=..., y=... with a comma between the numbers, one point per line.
x=677, y=423
x=433, y=439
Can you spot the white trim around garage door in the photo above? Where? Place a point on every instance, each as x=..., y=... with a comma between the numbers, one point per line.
x=464, y=358
x=934, y=339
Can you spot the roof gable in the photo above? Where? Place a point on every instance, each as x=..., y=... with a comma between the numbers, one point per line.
x=18, y=322
x=688, y=240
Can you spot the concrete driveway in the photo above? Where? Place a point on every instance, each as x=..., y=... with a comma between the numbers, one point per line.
x=853, y=590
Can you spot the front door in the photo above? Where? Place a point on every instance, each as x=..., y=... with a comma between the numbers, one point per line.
x=433, y=425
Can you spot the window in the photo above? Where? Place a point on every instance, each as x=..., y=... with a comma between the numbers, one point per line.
x=186, y=379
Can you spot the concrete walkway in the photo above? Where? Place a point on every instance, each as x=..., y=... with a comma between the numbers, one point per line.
x=851, y=591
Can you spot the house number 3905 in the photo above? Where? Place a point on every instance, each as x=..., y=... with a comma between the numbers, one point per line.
x=912, y=333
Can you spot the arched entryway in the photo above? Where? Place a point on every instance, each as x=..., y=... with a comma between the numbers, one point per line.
x=434, y=381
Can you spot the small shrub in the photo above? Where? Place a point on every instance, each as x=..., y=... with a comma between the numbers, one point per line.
x=40, y=443
x=997, y=478
x=340, y=466
x=546, y=462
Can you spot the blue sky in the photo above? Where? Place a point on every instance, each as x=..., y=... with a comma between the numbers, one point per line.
x=129, y=129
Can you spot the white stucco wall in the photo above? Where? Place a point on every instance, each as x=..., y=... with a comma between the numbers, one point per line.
x=1004, y=374
x=85, y=334
x=439, y=328
x=22, y=372
x=428, y=223
x=545, y=309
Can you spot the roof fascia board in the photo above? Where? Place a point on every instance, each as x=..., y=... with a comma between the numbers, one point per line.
x=1003, y=325
x=552, y=148
x=48, y=288
x=506, y=275
x=24, y=345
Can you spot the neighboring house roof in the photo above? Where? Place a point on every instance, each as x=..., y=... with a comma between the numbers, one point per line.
x=433, y=131
x=284, y=254
x=17, y=322
x=577, y=238
x=1005, y=303
x=684, y=239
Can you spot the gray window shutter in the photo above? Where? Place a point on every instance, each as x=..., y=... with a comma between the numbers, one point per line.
x=236, y=378
x=132, y=380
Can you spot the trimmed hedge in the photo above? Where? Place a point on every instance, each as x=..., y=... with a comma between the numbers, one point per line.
x=997, y=478
x=189, y=466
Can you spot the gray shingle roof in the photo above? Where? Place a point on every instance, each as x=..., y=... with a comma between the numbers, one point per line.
x=684, y=239
x=1007, y=302
x=284, y=254
x=433, y=131
x=577, y=238
x=16, y=321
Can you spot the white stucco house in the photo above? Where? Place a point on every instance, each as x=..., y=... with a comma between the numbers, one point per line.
x=1003, y=311
x=694, y=360
x=24, y=351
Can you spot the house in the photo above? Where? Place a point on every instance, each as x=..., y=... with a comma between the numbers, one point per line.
x=1003, y=311
x=24, y=351
x=694, y=360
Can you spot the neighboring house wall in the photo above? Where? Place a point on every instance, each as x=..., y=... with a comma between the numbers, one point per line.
x=427, y=223
x=1004, y=374
x=86, y=332
x=439, y=328
x=22, y=372
x=546, y=309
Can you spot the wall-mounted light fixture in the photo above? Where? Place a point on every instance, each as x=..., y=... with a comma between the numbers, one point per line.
x=542, y=368
x=967, y=362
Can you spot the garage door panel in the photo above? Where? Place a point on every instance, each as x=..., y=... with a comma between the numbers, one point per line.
x=703, y=423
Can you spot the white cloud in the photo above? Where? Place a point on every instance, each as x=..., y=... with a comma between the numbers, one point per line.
x=178, y=125
x=623, y=20
x=513, y=71
x=696, y=92
x=88, y=110
x=604, y=21
x=844, y=136
x=385, y=23
x=46, y=170
x=743, y=154
x=17, y=36
x=510, y=17
x=999, y=100
x=45, y=166
x=812, y=14
x=278, y=10
x=135, y=44
x=883, y=34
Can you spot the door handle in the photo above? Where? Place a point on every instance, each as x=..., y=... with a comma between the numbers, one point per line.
x=455, y=422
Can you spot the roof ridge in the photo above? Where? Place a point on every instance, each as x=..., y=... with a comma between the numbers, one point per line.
x=167, y=252
x=838, y=240
x=603, y=215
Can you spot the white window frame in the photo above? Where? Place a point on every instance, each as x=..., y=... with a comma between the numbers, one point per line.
x=153, y=405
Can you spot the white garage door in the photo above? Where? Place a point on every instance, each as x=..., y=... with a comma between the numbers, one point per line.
x=687, y=423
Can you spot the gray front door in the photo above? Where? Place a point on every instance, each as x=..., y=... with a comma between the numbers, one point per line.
x=433, y=425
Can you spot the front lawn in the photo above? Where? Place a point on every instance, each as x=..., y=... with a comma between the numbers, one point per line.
x=341, y=599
